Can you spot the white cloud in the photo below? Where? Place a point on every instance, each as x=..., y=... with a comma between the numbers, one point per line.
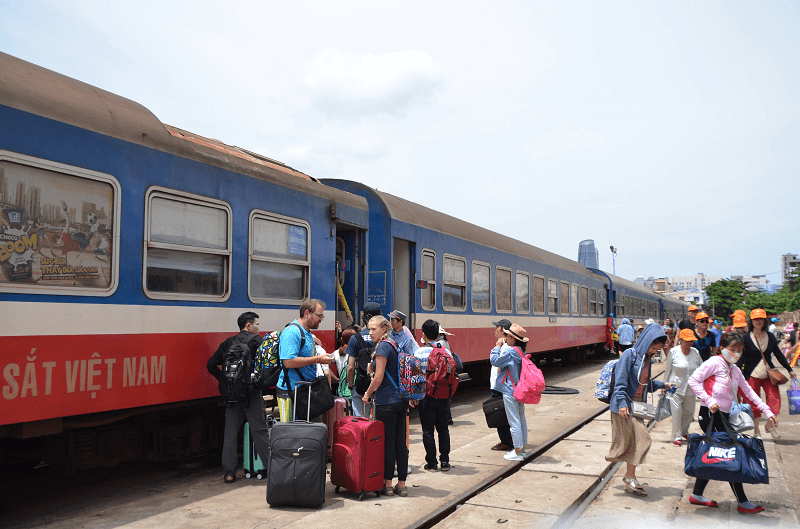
x=352, y=86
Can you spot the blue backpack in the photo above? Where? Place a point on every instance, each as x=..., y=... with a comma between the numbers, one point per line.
x=605, y=384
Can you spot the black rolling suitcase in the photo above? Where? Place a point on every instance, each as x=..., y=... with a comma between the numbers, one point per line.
x=297, y=461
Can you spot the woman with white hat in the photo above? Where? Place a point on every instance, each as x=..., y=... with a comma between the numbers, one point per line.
x=507, y=356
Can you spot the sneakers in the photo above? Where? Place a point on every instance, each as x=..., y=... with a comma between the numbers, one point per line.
x=513, y=456
x=677, y=442
x=431, y=468
x=445, y=467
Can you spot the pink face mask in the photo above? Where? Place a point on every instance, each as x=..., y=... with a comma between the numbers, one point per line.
x=730, y=356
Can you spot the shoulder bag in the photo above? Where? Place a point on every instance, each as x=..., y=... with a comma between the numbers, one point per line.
x=776, y=377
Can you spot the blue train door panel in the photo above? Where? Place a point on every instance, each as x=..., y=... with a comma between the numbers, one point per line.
x=349, y=273
x=403, y=280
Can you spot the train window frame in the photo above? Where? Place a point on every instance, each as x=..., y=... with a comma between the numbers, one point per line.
x=488, y=267
x=165, y=193
x=563, y=298
x=517, y=275
x=510, y=289
x=431, y=283
x=550, y=283
x=574, y=299
x=260, y=214
x=544, y=294
x=462, y=285
x=116, y=199
x=601, y=302
x=584, y=301
x=593, y=301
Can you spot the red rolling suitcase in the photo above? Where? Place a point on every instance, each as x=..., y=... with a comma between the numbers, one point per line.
x=358, y=448
x=339, y=411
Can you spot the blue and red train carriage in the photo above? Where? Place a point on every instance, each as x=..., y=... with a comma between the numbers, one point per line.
x=128, y=248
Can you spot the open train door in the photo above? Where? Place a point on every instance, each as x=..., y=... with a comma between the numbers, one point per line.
x=350, y=263
x=403, y=291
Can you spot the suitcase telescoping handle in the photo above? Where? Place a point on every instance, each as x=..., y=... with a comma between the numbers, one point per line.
x=294, y=404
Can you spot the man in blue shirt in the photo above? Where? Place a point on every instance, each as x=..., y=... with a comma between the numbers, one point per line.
x=626, y=335
x=400, y=334
x=298, y=354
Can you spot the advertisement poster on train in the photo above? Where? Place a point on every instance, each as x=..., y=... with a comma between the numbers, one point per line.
x=55, y=229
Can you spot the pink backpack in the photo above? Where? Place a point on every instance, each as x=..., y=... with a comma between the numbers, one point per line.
x=531, y=381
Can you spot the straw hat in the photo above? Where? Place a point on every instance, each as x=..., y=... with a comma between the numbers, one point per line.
x=518, y=332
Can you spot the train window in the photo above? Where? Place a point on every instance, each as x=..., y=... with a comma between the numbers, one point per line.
x=454, y=282
x=552, y=296
x=523, y=293
x=573, y=300
x=584, y=301
x=59, y=228
x=187, y=246
x=538, y=295
x=502, y=289
x=428, y=294
x=564, y=298
x=601, y=298
x=593, y=302
x=481, y=287
x=279, y=258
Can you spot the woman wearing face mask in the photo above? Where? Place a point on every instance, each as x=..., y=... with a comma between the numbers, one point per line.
x=716, y=382
x=759, y=348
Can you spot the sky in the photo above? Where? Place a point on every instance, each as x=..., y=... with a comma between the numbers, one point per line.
x=669, y=130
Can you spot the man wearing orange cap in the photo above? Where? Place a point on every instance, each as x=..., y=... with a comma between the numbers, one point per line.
x=737, y=314
x=690, y=323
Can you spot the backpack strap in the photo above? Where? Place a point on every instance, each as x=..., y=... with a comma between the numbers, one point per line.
x=283, y=367
x=397, y=352
x=508, y=369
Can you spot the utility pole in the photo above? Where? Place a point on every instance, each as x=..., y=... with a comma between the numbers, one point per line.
x=614, y=260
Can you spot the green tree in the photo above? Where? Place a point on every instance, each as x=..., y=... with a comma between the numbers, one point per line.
x=726, y=296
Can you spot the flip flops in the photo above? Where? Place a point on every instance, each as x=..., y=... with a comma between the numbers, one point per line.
x=632, y=486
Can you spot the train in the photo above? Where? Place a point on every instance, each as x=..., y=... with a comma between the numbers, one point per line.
x=129, y=247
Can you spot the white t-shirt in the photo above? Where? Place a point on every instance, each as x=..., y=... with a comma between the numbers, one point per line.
x=321, y=368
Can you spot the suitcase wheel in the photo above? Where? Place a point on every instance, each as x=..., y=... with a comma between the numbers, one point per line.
x=337, y=489
x=248, y=475
x=361, y=495
x=259, y=476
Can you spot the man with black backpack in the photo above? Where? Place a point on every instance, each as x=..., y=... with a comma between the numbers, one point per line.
x=232, y=365
x=359, y=352
x=439, y=367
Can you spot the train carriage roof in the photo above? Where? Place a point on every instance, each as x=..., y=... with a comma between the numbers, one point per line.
x=621, y=281
x=412, y=213
x=31, y=88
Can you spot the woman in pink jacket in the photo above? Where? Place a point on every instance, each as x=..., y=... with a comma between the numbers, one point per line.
x=716, y=383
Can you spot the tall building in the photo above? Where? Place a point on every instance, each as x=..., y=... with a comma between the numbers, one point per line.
x=33, y=202
x=587, y=254
x=3, y=186
x=19, y=195
x=789, y=262
x=754, y=283
x=694, y=283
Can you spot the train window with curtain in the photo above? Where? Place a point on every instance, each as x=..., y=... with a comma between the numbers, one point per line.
x=481, y=287
x=601, y=305
x=428, y=294
x=538, y=295
x=454, y=282
x=593, y=301
x=552, y=296
x=279, y=258
x=523, y=293
x=59, y=228
x=187, y=246
x=585, y=301
x=502, y=289
x=564, y=298
x=574, y=299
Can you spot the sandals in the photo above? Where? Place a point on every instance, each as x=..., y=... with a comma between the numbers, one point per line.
x=400, y=491
x=773, y=432
x=230, y=478
x=385, y=492
x=632, y=486
x=677, y=442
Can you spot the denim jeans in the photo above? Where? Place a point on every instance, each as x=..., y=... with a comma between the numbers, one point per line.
x=433, y=413
x=515, y=412
x=359, y=408
x=393, y=417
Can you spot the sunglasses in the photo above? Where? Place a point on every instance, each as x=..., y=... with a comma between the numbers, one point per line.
x=702, y=321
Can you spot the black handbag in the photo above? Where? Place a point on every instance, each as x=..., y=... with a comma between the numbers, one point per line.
x=320, y=395
x=495, y=412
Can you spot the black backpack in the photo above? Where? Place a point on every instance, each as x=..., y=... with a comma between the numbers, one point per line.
x=237, y=368
x=363, y=359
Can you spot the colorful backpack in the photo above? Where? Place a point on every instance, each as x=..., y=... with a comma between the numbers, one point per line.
x=267, y=366
x=531, y=381
x=409, y=374
x=606, y=381
x=442, y=378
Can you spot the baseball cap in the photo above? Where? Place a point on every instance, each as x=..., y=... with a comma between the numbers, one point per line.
x=693, y=308
x=702, y=316
x=740, y=320
x=757, y=313
x=504, y=323
x=372, y=308
x=739, y=312
x=687, y=335
x=397, y=315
